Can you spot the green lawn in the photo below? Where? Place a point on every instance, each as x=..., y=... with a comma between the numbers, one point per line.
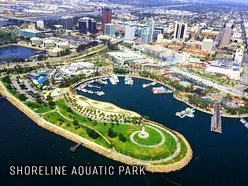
x=127, y=147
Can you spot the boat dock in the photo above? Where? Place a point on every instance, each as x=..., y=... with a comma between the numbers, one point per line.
x=74, y=148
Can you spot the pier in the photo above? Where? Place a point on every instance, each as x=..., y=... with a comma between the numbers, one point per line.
x=216, y=125
x=74, y=148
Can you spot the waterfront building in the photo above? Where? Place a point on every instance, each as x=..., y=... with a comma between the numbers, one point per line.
x=28, y=33
x=207, y=45
x=180, y=31
x=40, y=24
x=109, y=29
x=35, y=41
x=216, y=118
x=106, y=17
x=130, y=32
x=225, y=39
x=67, y=22
x=49, y=43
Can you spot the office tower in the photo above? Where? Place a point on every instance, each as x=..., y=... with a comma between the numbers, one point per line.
x=92, y=26
x=106, y=17
x=150, y=29
x=67, y=22
x=130, y=32
x=216, y=118
x=226, y=36
x=83, y=24
x=40, y=24
x=207, y=45
x=109, y=29
x=180, y=31
x=144, y=36
x=86, y=25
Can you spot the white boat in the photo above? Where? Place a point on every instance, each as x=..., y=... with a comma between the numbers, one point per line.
x=114, y=79
x=246, y=125
x=243, y=121
x=160, y=90
x=84, y=90
x=189, y=112
x=149, y=84
x=90, y=92
x=100, y=93
x=128, y=80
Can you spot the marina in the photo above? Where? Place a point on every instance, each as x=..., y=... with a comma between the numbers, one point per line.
x=189, y=112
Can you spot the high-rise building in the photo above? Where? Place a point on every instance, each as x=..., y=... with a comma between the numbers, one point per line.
x=144, y=36
x=86, y=25
x=83, y=24
x=106, y=17
x=109, y=29
x=130, y=32
x=40, y=24
x=207, y=45
x=92, y=26
x=225, y=39
x=150, y=29
x=67, y=22
x=180, y=31
x=216, y=118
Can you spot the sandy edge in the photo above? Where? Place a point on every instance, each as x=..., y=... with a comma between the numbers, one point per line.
x=93, y=146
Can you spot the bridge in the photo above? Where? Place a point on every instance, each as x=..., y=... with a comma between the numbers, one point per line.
x=117, y=41
x=74, y=148
x=18, y=19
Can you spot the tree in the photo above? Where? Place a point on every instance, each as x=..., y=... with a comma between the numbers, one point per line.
x=22, y=97
x=75, y=122
x=122, y=137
